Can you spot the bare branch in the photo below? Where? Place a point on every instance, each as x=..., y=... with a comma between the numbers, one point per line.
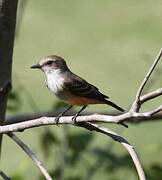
x=28, y=116
x=122, y=141
x=63, y=120
x=151, y=95
x=136, y=160
x=155, y=111
x=11, y=119
x=136, y=105
x=4, y=176
x=139, y=92
x=97, y=118
x=34, y=158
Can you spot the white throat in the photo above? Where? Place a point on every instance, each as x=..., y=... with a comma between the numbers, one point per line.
x=54, y=80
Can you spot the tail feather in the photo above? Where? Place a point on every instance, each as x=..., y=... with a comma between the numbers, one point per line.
x=113, y=105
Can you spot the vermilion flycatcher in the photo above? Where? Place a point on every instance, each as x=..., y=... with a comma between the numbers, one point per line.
x=69, y=87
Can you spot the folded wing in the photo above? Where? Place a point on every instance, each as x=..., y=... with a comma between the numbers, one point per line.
x=82, y=88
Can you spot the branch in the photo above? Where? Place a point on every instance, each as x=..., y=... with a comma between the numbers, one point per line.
x=151, y=95
x=28, y=116
x=97, y=118
x=139, y=92
x=4, y=176
x=34, y=158
x=63, y=120
x=11, y=119
x=122, y=141
x=155, y=111
x=136, y=105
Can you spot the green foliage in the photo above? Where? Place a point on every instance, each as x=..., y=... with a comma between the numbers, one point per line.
x=17, y=176
x=78, y=143
x=48, y=140
x=154, y=172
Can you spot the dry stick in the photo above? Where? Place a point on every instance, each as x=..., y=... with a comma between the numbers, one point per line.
x=65, y=120
x=155, y=111
x=20, y=118
x=121, y=140
x=151, y=95
x=148, y=74
x=34, y=158
x=28, y=116
x=68, y=120
x=136, y=105
x=4, y=176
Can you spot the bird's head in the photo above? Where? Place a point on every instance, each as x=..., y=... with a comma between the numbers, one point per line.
x=51, y=63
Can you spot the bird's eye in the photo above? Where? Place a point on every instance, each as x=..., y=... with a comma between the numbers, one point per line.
x=57, y=61
x=49, y=62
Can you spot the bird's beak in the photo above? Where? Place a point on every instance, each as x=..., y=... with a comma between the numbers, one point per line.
x=36, y=66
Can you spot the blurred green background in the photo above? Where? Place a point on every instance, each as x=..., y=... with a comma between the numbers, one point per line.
x=111, y=44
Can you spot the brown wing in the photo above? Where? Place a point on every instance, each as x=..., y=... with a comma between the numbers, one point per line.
x=82, y=88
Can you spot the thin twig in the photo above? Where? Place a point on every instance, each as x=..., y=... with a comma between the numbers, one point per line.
x=155, y=111
x=136, y=105
x=136, y=161
x=151, y=95
x=121, y=140
x=28, y=151
x=139, y=92
x=4, y=176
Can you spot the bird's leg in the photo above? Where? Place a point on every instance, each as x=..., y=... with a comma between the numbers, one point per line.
x=74, y=117
x=62, y=113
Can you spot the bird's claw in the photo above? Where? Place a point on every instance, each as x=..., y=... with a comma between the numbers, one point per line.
x=74, y=120
x=57, y=120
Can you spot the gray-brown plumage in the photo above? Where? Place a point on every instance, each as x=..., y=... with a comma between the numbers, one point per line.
x=69, y=87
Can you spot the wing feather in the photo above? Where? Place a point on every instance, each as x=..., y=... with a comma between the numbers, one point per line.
x=82, y=88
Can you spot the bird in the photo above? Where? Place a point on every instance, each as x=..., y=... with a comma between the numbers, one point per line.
x=69, y=87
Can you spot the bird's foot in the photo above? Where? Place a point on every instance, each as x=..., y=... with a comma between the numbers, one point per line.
x=74, y=119
x=57, y=119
